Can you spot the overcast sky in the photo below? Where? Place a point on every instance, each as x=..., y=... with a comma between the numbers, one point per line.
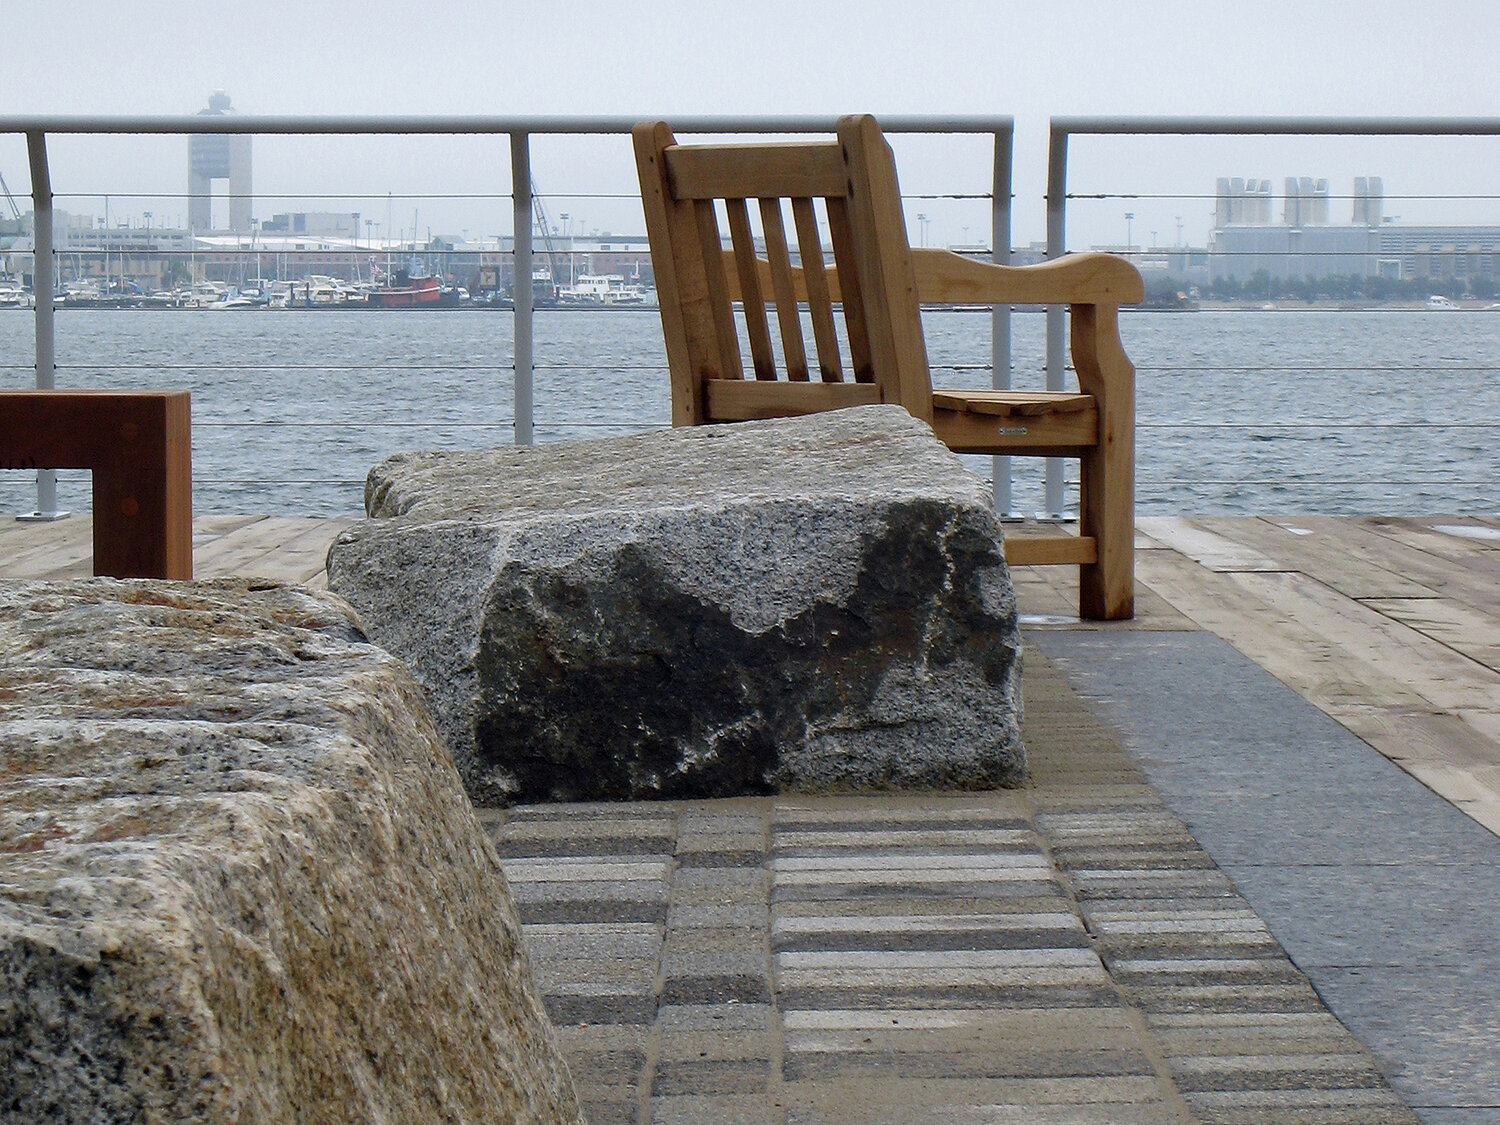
x=653, y=58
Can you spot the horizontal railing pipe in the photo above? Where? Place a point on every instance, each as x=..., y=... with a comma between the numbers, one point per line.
x=292, y=125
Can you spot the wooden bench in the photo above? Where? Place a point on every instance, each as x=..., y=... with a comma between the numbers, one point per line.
x=879, y=282
x=138, y=446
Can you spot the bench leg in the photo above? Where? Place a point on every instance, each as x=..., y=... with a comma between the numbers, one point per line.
x=138, y=447
x=143, y=512
x=1106, y=588
x=1106, y=508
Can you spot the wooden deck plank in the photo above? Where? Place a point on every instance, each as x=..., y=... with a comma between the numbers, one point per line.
x=232, y=552
x=208, y=528
x=1447, y=679
x=298, y=555
x=20, y=535
x=43, y=549
x=1460, y=627
x=1204, y=546
x=1297, y=655
x=1036, y=596
x=285, y=548
x=1319, y=553
x=1473, y=554
x=1452, y=572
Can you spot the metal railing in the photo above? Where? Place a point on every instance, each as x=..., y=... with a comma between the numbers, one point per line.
x=520, y=133
x=1064, y=128
x=519, y=130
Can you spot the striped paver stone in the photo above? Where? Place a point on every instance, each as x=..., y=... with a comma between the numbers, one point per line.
x=1059, y=953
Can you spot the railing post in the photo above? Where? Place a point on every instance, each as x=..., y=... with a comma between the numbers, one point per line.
x=1000, y=314
x=520, y=177
x=42, y=285
x=1057, y=334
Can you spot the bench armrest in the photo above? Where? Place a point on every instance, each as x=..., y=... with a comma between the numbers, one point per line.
x=1077, y=279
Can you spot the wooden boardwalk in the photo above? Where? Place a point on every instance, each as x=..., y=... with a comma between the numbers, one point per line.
x=1389, y=626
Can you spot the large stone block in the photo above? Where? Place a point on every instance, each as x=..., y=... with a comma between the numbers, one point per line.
x=239, y=878
x=818, y=603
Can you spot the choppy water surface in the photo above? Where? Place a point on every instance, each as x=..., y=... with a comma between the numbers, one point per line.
x=1390, y=412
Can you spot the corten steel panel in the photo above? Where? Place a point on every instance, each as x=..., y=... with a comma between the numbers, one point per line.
x=137, y=444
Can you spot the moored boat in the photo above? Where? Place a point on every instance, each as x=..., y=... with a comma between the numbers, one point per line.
x=13, y=295
x=602, y=289
x=408, y=291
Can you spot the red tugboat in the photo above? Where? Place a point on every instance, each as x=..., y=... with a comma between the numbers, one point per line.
x=410, y=292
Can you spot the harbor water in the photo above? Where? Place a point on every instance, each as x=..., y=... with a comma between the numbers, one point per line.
x=1393, y=412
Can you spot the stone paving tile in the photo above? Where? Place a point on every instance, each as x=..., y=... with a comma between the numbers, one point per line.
x=861, y=1099
x=705, y=1044
x=610, y=1112
x=712, y=1076
x=527, y=891
x=706, y=886
x=681, y=962
x=1456, y=1006
x=591, y=941
x=674, y=1018
x=908, y=996
x=722, y=858
x=709, y=939
x=560, y=912
x=741, y=988
x=582, y=977
x=621, y=1008
x=612, y=1055
x=729, y=915
x=720, y=1110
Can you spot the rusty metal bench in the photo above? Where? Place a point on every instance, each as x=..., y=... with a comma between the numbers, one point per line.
x=137, y=444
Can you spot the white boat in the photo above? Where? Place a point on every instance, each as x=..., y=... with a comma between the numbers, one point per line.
x=1438, y=301
x=205, y=295
x=14, y=296
x=602, y=289
x=237, y=301
x=319, y=291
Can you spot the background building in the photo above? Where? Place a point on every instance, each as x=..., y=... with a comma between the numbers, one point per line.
x=218, y=156
x=1305, y=245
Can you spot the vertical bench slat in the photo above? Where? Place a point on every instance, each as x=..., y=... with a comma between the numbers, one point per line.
x=751, y=298
x=810, y=250
x=788, y=313
x=727, y=339
x=852, y=299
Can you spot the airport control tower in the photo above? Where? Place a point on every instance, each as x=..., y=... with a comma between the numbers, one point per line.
x=218, y=156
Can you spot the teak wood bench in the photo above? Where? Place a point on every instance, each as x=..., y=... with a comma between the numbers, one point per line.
x=139, y=448
x=879, y=281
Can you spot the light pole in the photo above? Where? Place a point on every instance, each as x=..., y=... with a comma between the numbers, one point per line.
x=923, y=220
x=149, y=256
x=1129, y=218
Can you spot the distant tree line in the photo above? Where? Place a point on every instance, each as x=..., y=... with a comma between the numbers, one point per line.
x=1261, y=286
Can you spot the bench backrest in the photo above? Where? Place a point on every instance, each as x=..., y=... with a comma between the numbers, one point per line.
x=683, y=188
